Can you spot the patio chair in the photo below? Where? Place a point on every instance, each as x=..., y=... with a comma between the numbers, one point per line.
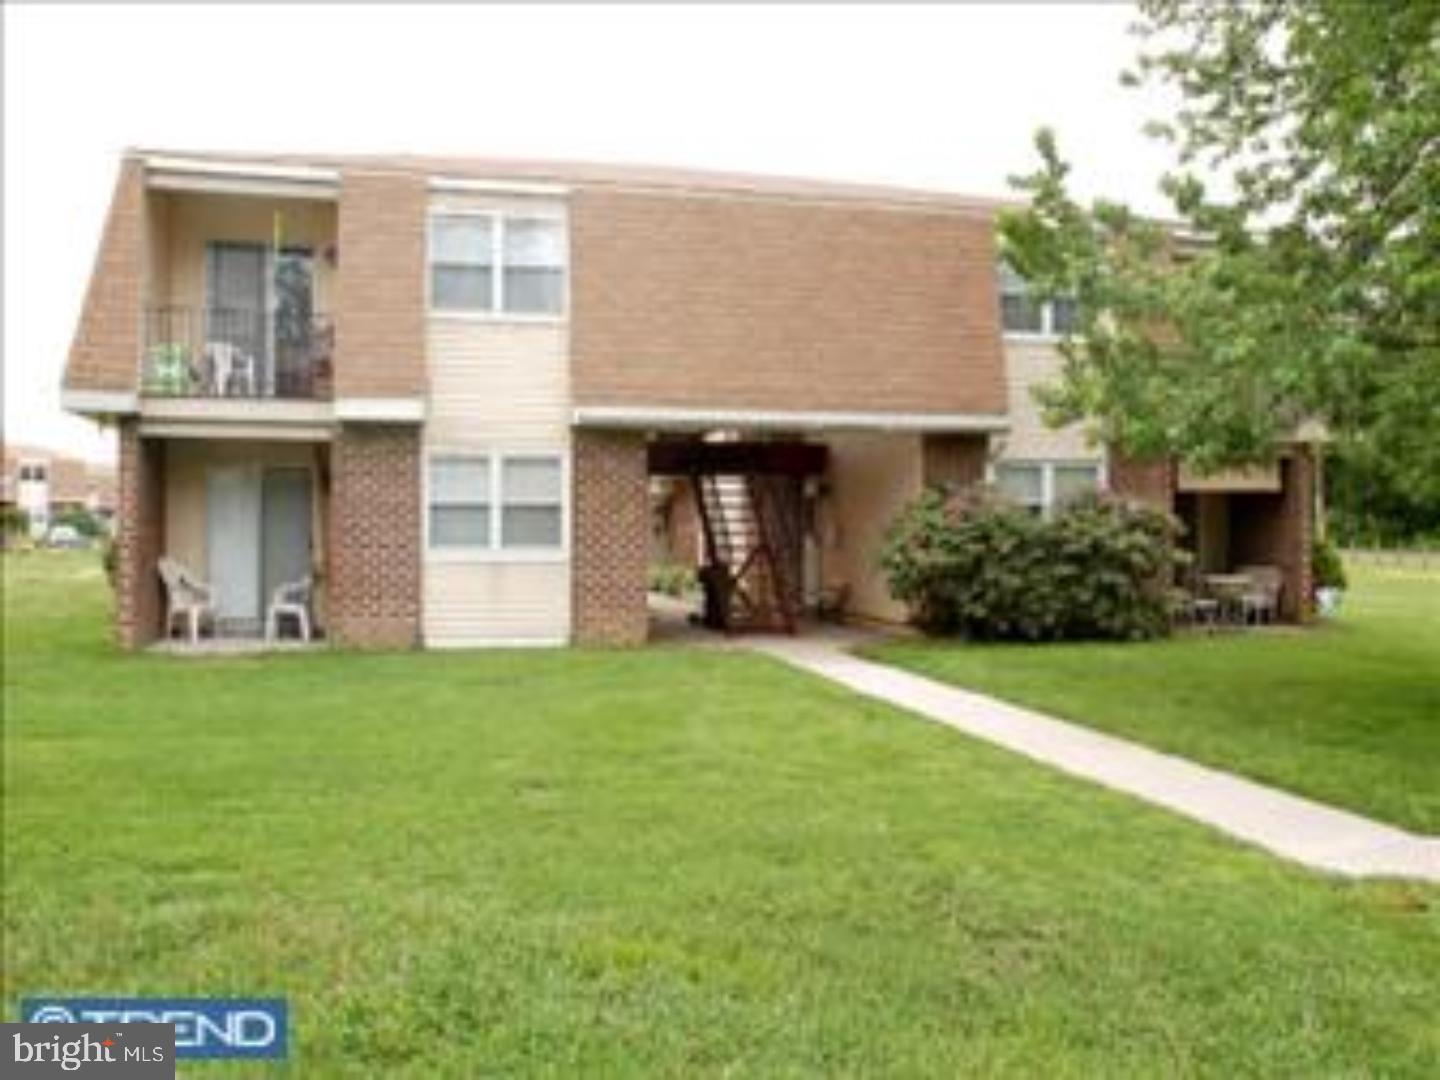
x=290, y=600
x=1260, y=601
x=230, y=365
x=186, y=595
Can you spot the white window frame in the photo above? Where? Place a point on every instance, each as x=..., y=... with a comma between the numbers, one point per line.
x=32, y=465
x=493, y=551
x=491, y=510
x=1047, y=331
x=497, y=219
x=1047, y=467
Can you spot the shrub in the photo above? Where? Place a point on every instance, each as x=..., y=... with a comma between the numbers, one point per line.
x=110, y=559
x=672, y=579
x=976, y=565
x=1326, y=569
x=14, y=522
x=81, y=520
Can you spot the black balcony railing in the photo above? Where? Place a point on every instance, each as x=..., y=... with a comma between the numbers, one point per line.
x=236, y=353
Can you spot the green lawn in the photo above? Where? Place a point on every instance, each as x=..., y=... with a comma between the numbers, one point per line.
x=649, y=862
x=1348, y=713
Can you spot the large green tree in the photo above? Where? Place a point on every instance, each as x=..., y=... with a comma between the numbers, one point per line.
x=1300, y=279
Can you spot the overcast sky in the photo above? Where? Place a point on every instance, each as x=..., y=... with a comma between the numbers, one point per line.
x=930, y=96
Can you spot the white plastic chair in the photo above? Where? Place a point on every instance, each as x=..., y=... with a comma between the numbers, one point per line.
x=185, y=595
x=291, y=599
x=230, y=363
x=1262, y=598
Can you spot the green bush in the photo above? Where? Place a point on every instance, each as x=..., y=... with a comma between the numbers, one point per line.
x=14, y=522
x=1326, y=569
x=81, y=520
x=672, y=579
x=975, y=565
x=110, y=559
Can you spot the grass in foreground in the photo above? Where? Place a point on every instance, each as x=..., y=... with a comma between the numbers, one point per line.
x=1347, y=713
x=648, y=862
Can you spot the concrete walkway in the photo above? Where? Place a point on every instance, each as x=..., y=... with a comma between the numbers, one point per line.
x=1292, y=827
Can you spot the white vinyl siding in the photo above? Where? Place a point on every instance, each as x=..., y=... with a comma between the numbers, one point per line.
x=499, y=390
x=501, y=384
x=1029, y=364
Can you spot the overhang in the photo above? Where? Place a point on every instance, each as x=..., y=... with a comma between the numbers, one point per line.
x=165, y=173
x=661, y=418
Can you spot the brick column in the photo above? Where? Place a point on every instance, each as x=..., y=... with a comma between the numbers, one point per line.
x=1151, y=481
x=611, y=538
x=139, y=538
x=1297, y=530
x=375, y=536
x=953, y=461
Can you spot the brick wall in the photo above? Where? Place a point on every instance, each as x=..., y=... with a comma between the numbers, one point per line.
x=380, y=286
x=953, y=460
x=375, y=536
x=612, y=538
x=1151, y=482
x=140, y=537
x=105, y=353
x=726, y=302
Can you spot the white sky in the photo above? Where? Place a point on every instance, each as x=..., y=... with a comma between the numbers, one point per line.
x=926, y=96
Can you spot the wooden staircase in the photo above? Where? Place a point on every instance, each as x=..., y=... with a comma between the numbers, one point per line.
x=753, y=543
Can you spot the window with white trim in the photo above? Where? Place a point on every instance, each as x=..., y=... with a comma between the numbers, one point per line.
x=531, y=502
x=1042, y=487
x=32, y=471
x=487, y=263
x=460, y=503
x=497, y=502
x=1022, y=313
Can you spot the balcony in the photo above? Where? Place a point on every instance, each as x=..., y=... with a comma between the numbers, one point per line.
x=236, y=353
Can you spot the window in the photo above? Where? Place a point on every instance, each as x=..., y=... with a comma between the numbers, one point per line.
x=531, y=502
x=488, y=503
x=1025, y=484
x=460, y=502
x=462, y=264
x=1021, y=313
x=1069, y=482
x=534, y=266
x=32, y=471
x=495, y=263
x=1044, y=486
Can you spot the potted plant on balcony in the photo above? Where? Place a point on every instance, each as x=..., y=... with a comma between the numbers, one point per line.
x=167, y=369
x=1328, y=572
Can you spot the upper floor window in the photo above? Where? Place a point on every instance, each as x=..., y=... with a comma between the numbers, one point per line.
x=1042, y=487
x=497, y=263
x=1023, y=313
x=32, y=470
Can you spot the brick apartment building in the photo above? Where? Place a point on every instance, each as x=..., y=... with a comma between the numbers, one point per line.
x=45, y=484
x=455, y=392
